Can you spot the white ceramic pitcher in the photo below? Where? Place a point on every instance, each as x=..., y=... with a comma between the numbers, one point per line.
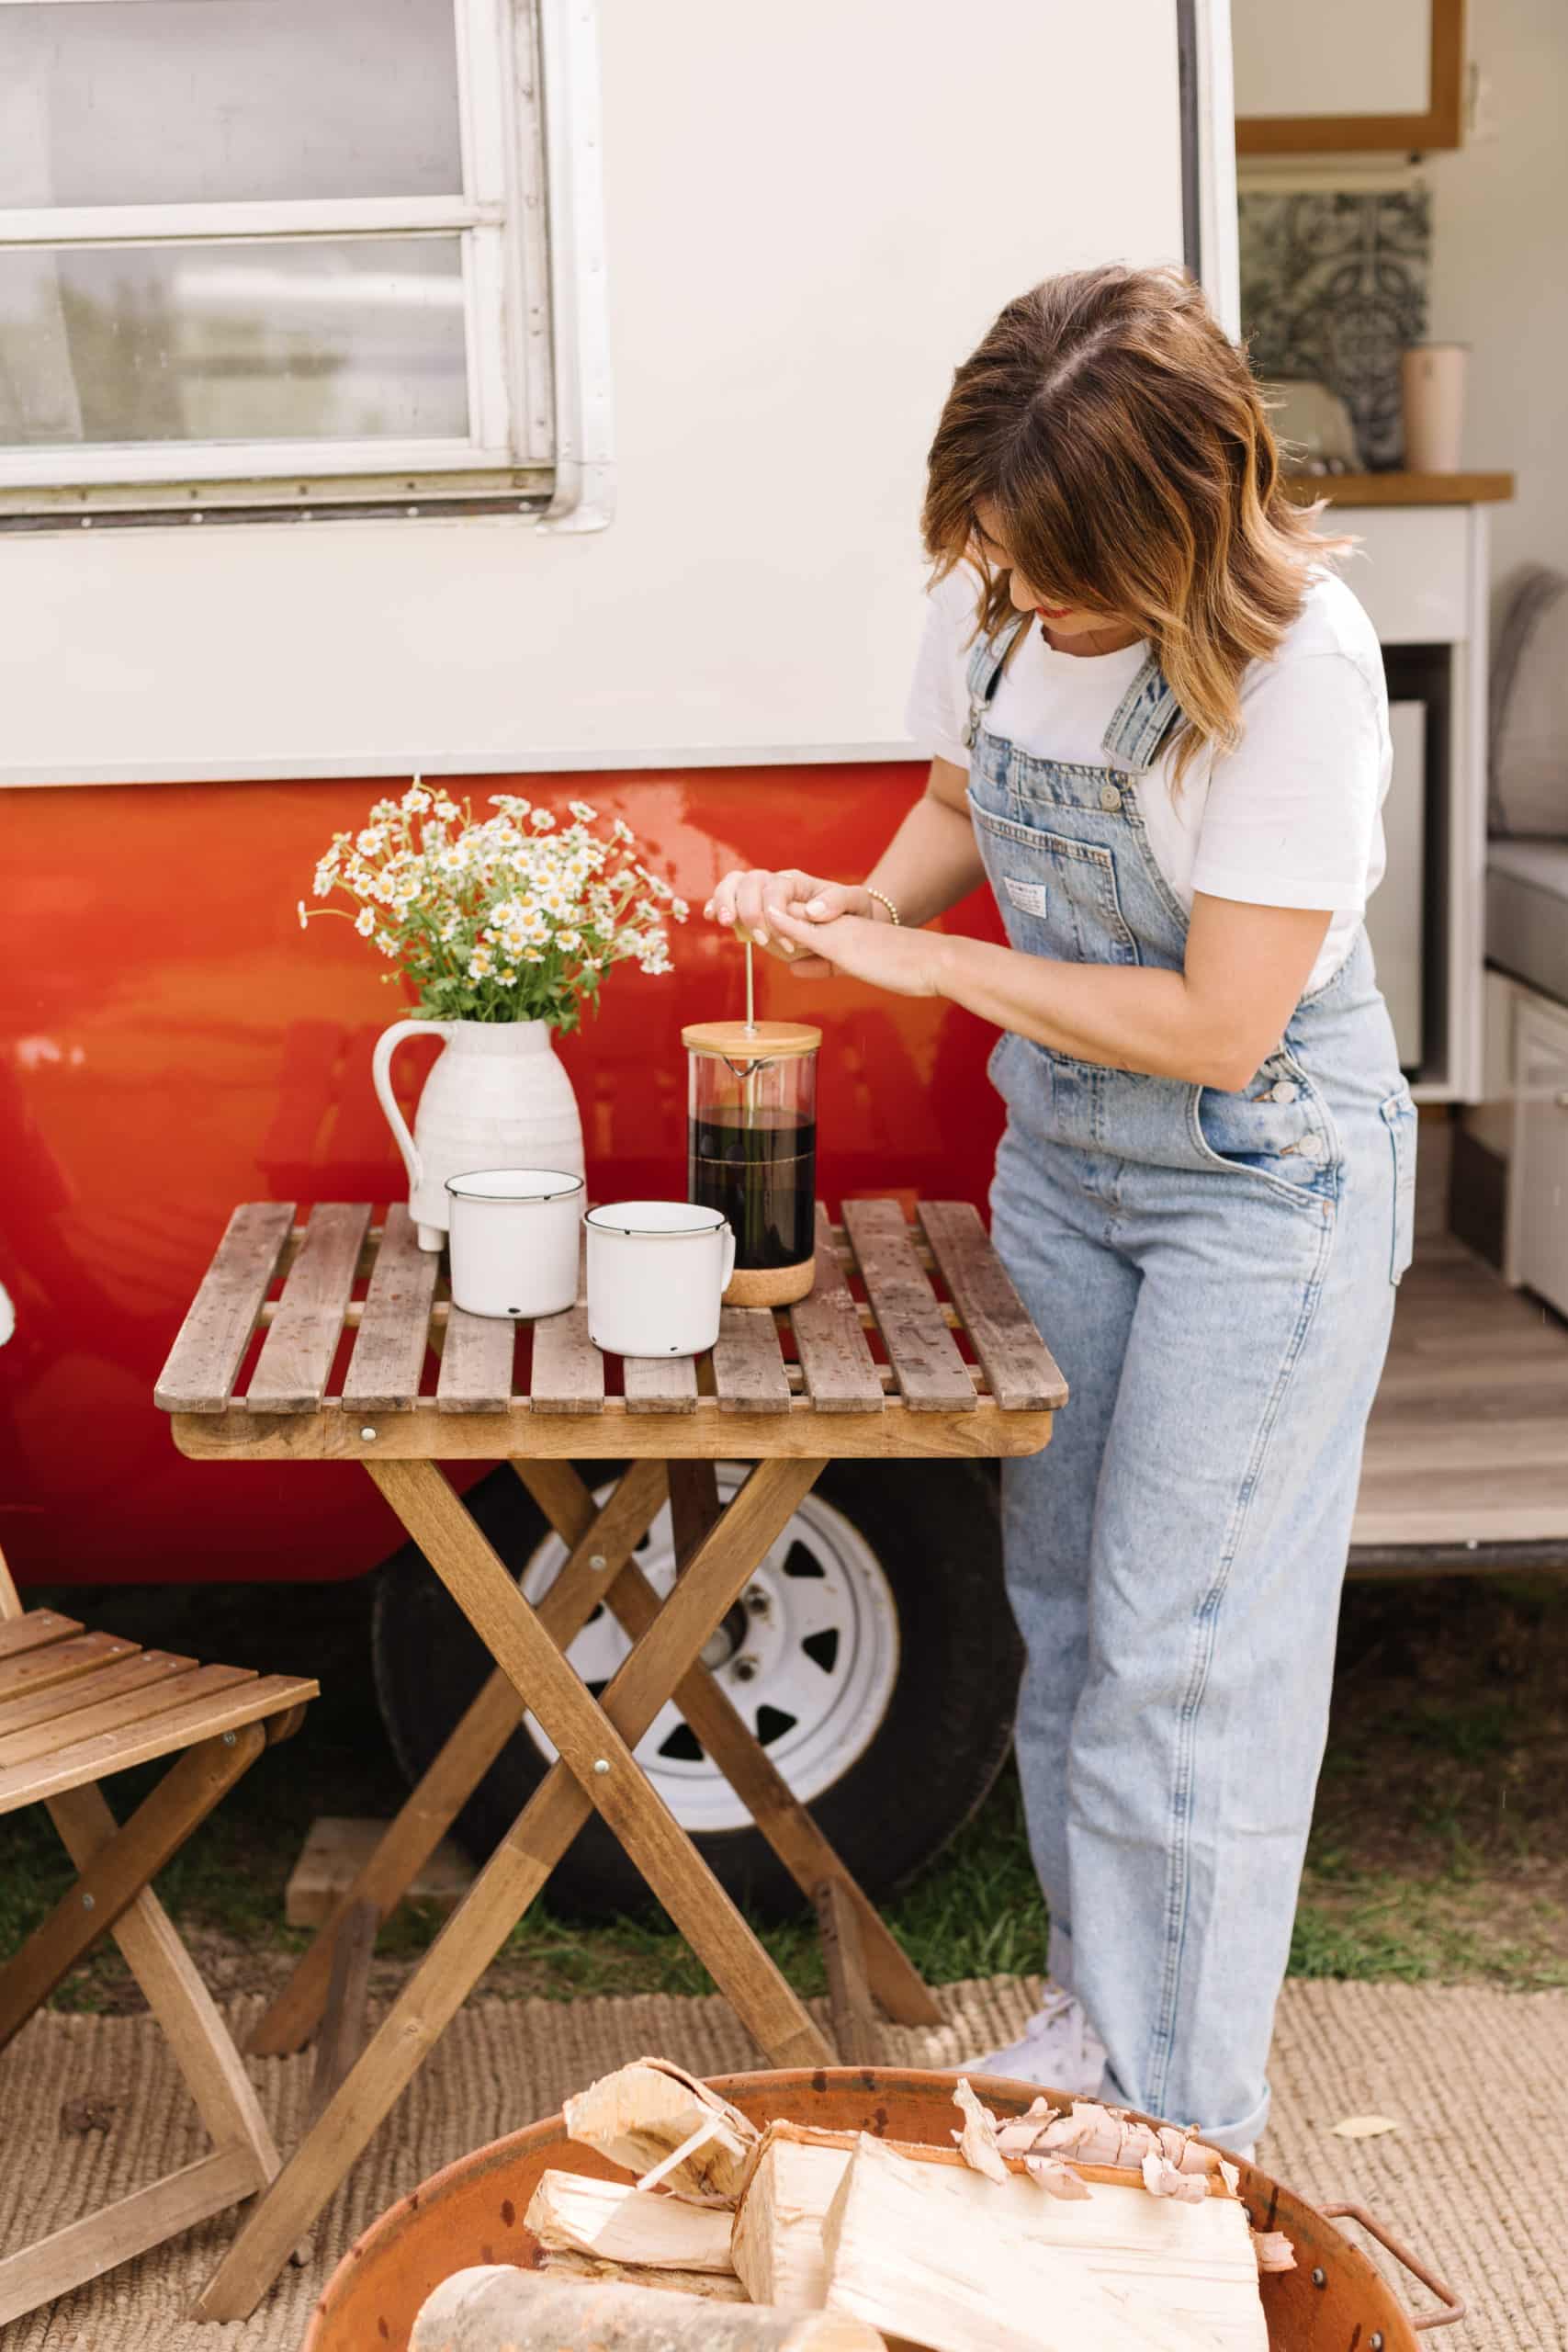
x=496, y=1097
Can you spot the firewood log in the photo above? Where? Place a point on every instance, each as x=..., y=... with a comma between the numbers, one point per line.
x=495, y=2309
x=643, y=2113
x=951, y=2260
x=571, y=2212
x=777, y=2241
x=719, y=2286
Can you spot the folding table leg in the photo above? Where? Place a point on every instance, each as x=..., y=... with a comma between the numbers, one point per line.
x=508, y=1883
x=731, y=1745
x=586, y=1736
x=601, y=1542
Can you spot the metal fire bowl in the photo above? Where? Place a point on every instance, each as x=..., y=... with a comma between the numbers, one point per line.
x=472, y=2213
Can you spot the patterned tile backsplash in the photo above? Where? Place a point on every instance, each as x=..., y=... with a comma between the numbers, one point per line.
x=1333, y=288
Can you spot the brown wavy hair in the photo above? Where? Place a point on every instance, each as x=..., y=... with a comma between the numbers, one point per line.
x=1121, y=445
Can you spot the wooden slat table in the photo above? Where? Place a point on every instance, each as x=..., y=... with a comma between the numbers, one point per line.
x=912, y=1343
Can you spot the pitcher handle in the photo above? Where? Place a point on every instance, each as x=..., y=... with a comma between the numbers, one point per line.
x=728, y=1255
x=387, y=1044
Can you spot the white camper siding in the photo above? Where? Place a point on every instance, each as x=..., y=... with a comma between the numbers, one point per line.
x=809, y=218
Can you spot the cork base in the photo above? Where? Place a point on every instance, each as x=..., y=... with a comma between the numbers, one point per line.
x=771, y=1286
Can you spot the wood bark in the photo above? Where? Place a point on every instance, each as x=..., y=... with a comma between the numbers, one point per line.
x=498, y=2310
x=642, y=2113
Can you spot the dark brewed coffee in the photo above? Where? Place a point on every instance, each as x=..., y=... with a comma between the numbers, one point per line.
x=762, y=1176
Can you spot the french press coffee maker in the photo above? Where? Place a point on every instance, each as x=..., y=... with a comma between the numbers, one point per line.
x=751, y=1149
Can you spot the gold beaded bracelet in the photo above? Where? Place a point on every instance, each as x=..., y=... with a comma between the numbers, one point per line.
x=883, y=901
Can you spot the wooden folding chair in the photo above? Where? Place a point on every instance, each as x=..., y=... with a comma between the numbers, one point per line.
x=75, y=1706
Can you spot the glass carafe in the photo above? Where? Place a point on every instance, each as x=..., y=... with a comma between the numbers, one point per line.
x=751, y=1149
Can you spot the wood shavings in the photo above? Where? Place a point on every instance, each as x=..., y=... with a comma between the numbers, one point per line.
x=1365, y=2127
x=1273, y=2249
x=1093, y=2134
x=1058, y=2180
x=1163, y=2178
x=1017, y=2138
x=978, y=2140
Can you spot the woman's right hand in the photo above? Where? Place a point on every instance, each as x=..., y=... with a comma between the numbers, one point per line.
x=745, y=897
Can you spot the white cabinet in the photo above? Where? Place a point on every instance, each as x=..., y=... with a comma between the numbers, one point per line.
x=1421, y=573
x=1412, y=571
x=1538, y=1173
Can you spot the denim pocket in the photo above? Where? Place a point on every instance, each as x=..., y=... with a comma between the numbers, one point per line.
x=1276, y=1131
x=1058, y=895
x=1399, y=1117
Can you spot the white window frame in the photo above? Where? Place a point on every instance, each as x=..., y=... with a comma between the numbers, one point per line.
x=533, y=279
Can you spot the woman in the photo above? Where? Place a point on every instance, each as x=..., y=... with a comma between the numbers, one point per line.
x=1160, y=729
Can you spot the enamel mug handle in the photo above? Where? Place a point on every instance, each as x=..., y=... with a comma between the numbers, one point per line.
x=381, y=1075
x=728, y=1256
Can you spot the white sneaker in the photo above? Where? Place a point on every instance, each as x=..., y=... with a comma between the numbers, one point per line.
x=1059, y=2049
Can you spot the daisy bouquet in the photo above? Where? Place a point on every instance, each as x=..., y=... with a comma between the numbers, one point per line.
x=515, y=916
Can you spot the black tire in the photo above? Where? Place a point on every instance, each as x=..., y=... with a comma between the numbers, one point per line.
x=944, y=1734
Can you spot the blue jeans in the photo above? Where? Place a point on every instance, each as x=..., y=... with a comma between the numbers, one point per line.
x=1215, y=1274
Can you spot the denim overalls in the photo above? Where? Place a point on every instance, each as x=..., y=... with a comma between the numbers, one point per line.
x=1215, y=1273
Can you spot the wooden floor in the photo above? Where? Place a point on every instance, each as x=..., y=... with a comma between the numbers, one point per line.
x=1468, y=1438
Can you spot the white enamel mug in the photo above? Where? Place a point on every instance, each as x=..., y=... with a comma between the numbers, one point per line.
x=516, y=1240
x=657, y=1271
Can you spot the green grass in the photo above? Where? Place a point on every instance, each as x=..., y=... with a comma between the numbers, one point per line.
x=1439, y=1853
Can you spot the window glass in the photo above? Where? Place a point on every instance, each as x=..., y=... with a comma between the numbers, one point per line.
x=317, y=339
x=219, y=101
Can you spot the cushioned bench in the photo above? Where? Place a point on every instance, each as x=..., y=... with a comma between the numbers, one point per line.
x=1526, y=914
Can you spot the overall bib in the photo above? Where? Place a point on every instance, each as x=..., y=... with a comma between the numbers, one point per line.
x=1215, y=1273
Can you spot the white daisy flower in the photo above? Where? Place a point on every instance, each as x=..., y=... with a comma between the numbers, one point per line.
x=581, y=811
x=364, y=922
x=304, y=917
x=480, y=964
x=416, y=801
x=542, y=821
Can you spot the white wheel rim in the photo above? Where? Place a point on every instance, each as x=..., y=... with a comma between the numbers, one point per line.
x=811, y=1675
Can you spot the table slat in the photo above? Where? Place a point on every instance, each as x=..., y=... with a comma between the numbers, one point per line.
x=747, y=1364
x=569, y=1371
x=296, y=1355
x=837, y=1367
x=1020, y=1369
x=660, y=1384
x=199, y=1374
x=384, y=1371
x=34, y=1632
x=476, y=1363
x=932, y=1376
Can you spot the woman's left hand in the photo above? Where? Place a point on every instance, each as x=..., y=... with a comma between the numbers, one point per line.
x=906, y=962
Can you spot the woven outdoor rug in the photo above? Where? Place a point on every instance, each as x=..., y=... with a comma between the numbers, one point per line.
x=1478, y=2081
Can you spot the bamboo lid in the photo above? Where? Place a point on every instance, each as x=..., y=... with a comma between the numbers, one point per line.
x=767, y=1040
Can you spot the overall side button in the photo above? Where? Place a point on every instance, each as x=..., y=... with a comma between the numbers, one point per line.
x=1109, y=799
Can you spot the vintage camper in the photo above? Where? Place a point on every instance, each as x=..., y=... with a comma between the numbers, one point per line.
x=498, y=391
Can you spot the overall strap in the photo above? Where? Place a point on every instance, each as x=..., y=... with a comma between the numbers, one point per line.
x=984, y=668
x=1143, y=719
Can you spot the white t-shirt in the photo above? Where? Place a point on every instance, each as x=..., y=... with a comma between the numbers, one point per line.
x=1288, y=819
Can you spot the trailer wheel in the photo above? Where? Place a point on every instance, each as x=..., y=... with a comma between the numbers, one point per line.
x=874, y=1654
